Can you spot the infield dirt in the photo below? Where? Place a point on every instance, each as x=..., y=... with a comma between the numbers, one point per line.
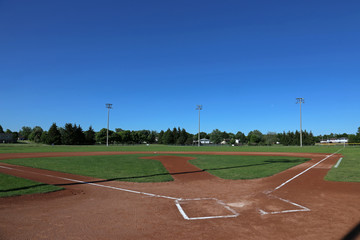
x=84, y=211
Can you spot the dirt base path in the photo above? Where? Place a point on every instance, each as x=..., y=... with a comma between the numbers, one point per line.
x=306, y=207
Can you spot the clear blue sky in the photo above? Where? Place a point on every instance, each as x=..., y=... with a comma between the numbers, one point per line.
x=246, y=62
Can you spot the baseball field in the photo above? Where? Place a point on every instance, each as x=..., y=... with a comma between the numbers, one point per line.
x=170, y=192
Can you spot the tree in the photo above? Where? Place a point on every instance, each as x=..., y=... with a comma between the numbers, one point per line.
x=53, y=135
x=216, y=136
x=270, y=138
x=1, y=129
x=25, y=132
x=102, y=135
x=67, y=136
x=241, y=137
x=79, y=136
x=255, y=137
x=182, y=137
x=90, y=136
x=160, y=137
x=168, y=137
x=35, y=134
x=44, y=137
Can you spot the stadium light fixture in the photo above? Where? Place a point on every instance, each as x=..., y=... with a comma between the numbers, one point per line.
x=108, y=106
x=199, y=107
x=300, y=100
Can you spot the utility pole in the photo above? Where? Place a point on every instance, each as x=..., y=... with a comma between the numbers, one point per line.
x=199, y=107
x=300, y=100
x=108, y=106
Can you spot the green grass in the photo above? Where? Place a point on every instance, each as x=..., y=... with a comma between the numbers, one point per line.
x=23, y=148
x=245, y=167
x=113, y=167
x=349, y=168
x=14, y=186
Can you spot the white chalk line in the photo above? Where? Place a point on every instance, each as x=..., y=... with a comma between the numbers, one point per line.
x=95, y=184
x=177, y=200
x=286, y=182
x=301, y=208
x=186, y=217
x=338, y=163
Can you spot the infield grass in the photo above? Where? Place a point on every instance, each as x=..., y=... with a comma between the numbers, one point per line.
x=15, y=186
x=114, y=167
x=245, y=167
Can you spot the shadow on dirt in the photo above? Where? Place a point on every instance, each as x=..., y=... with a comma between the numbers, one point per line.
x=353, y=234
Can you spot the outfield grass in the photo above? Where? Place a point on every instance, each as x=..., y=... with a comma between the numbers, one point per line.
x=14, y=186
x=114, y=167
x=349, y=168
x=245, y=167
x=24, y=148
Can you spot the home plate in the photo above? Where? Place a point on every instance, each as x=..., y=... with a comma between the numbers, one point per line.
x=204, y=208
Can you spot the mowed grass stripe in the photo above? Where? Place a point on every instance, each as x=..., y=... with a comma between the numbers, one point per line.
x=245, y=167
x=114, y=167
x=15, y=186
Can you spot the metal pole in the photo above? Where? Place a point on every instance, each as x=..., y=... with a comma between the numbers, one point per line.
x=300, y=100
x=199, y=107
x=199, y=130
x=108, y=106
x=107, y=131
x=300, y=127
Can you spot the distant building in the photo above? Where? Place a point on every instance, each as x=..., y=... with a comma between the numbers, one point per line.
x=203, y=141
x=334, y=140
x=7, y=138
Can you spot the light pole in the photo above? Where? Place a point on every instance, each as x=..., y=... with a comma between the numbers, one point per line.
x=300, y=100
x=108, y=106
x=199, y=107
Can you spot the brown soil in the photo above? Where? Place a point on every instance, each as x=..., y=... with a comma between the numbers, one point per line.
x=84, y=211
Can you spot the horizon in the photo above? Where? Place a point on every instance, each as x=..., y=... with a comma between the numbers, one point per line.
x=245, y=62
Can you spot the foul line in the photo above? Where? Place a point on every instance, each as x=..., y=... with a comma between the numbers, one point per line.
x=95, y=184
x=286, y=182
x=177, y=200
x=338, y=163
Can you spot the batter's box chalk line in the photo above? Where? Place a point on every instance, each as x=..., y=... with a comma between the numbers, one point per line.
x=299, y=208
x=204, y=208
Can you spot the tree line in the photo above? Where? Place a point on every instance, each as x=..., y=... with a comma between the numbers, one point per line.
x=73, y=134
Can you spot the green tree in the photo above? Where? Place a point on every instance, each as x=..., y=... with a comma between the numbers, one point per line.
x=79, y=136
x=270, y=138
x=90, y=136
x=35, y=134
x=67, y=136
x=241, y=137
x=102, y=135
x=216, y=136
x=25, y=132
x=255, y=137
x=53, y=135
x=44, y=137
x=168, y=137
x=160, y=137
x=1, y=129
